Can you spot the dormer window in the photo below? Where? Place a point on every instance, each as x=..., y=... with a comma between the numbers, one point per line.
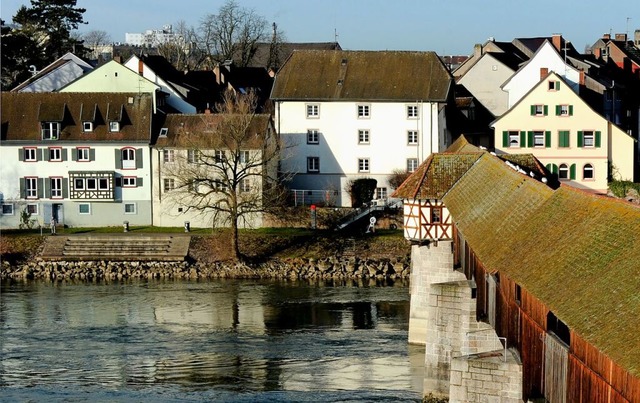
x=50, y=130
x=87, y=127
x=114, y=126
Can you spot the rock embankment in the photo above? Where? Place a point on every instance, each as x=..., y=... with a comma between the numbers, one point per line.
x=295, y=269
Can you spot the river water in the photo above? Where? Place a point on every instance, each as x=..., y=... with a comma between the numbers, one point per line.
x=219, y=340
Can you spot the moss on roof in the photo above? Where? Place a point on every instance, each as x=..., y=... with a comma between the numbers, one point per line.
x=362, y=75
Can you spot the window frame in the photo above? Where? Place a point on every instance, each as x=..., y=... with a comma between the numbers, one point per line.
x=312, y=111
x=313, y=164
x=363, y=111
x=313, y=136
x=364, y=165
x=364, y=136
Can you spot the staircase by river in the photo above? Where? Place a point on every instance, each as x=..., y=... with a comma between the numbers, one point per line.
x=117, y=247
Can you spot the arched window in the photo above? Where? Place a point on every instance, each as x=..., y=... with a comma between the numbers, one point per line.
x=563, y=171
x=587, y=172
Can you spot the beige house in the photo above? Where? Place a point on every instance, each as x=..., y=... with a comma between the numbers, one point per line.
x=559, y=128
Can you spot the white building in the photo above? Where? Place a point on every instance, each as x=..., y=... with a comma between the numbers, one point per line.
x=345, y=115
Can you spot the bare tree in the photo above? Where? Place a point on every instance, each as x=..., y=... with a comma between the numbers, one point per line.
x=232, y=33
x=229, y=170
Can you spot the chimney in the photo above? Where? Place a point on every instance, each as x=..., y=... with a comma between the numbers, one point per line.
x=621, y=37
x=606, y=37
x=140, y=67
x=544, y=72
x=556, y=41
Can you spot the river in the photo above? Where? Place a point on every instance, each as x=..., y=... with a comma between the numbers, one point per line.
x=219, y=340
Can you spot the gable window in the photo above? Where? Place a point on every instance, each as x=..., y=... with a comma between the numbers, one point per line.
x=50, y=130
x=114, y=126
x=563, y=171
x=244, y=157
x=313, y=136
x=128, y=158
x=564, y=110
x=553, y=85
x=55, y=154
x=82, y=154
x=84, y=208
x=539, y=110
x=412, y=111
x=412, y=164
x=587, y=172
x=7, y=209
x=436, y=215
x=56, y=188
x=193, y=156
x=363, y=111
x=363, y=164
x=30, y=154
x=87, y=127
x=31, y=187
x=363, y=136
x=313, y=164
x=313, y=110
x=563, y=138
x=412, y=137
x=168, y=155
x=169, y=184
x=129, y=181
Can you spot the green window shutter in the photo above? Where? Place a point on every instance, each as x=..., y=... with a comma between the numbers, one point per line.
x=92, y=154
x=547, y=139
x=529, y=139
x=23, y=190
x=118, y=160
x=139, y=182
x=533, y=110
x=572, y=172
x=523, y=138
x=65, y=155
x=598, y=139
x=546, y=110
x=570, y=110
x=579, y=138
x=65, y=188
x=558, y=108
x=505, y=139
x=20, y=154
x=138, y=158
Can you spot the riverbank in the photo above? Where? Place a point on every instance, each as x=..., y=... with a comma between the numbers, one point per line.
x=275, y=254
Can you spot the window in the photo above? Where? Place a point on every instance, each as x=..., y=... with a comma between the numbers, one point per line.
x=128, y=158
x=587, y=139
x=412, y=164
x=553, y=85
x=7, y=209
x=55, y=154
x=50, y=130
x=56, y=188
x=564, y=110
x=412, y=111
x=313, y=136
x=436, y=215
x=363, y=164
x=168, y=155
x=129, y=181
x=169, y=184
x=245, y=185
x=412, y=137
x=244, y=157
x=87, y=127
x=587, y=172
x=313, y=110
x=82, y=154
x=514, y=139
x=563, y=138
x=31, y=188
x=563, y=171
x=381, y=193
x=538, y=139
x=129, y=208
x=30, y=154
x=32, y=209
x=193, y=156
x=539, y=110
x=114, y=126
x=313, y=164
x=363, y=136
x=363, y=111
x=84, y=208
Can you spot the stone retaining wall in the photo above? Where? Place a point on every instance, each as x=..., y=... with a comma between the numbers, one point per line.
x=294, y=269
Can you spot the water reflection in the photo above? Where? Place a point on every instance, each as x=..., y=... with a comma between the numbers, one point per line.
x=230, y=338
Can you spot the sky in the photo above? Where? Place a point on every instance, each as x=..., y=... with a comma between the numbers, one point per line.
x=448, y=27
